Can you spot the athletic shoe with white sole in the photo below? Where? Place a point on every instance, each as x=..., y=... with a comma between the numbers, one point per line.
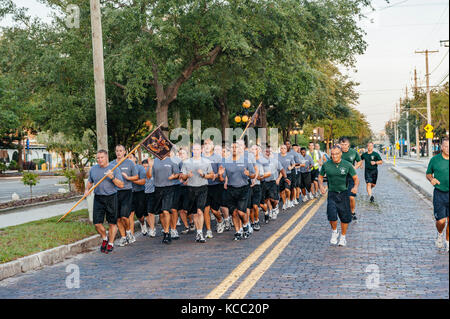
x=199, y=238
x=131, y=239
x=144, y=229
x=185, y=231
x=311, y=196
x=174, y=234
x=342, y=241
x=304, y=199
x=257, y=226
x=334, y=237
x=440, y=241
x=209, y=234
x=123, y=242
x=266, y=218
x=227, y=224
x=220, y=227
x=103, y=246
x=246, y=233
x=237, y=236
x=284, y=206
x=192, y=227
x=152, y=233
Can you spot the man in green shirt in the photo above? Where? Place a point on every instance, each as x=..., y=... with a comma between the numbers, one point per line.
x=438, y=175
x=338, y=204
x=352, y=156
x=371, y=161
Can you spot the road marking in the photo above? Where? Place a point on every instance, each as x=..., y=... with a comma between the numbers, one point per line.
x=242, y=290
x=222, y=288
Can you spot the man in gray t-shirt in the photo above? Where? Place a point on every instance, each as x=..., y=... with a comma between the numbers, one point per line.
x=105, y=198
x=196, y=171
x=125, y=196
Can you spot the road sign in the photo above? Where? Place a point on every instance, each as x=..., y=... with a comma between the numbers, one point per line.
x=429, y=135
x=428, y=128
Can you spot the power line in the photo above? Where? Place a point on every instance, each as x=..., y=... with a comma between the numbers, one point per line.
x=440, y=62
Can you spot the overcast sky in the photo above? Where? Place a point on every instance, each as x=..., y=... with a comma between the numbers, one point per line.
x=387, y=67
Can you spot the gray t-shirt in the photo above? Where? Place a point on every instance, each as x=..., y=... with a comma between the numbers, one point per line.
x=215, y=161
x=106, y=187
x=308, y=161
x=142, y=175
x=286, y=161
x=296, y=157
x=149, y=185
x=235, y=172
x=273, y=166
x=129, y=168
x=162, y=170
x=194, y=165
x=178, y=161
x=260, y=171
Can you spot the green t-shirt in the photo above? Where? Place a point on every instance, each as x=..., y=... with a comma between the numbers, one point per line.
x=374, y=156
x=337, y=174
x=438, y=166
x=351, y=156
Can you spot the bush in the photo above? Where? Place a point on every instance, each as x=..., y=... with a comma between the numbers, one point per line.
x=70, y=174
x=13, y=166
x=2, y=167
x=30, y=179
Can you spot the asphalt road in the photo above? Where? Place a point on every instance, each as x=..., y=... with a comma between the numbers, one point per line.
x=46, y=185
x=390, y=253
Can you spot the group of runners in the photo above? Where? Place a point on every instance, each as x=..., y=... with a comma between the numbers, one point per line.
x=241, y=187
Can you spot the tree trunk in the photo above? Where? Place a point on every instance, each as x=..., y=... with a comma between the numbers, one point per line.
x=224, y=116
x=20, y=154
x=162, y=115
x=176, y=118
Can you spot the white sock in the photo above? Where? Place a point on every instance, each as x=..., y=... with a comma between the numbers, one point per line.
x=335, y=231
x=124, y=238
x=342, y=236
x=199, y=232
x=105, y=238
x=128, y=232
x=112, y=244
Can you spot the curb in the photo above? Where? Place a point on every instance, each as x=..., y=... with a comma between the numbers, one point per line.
x=51, y=256
x=11, y=209
x=413, y=184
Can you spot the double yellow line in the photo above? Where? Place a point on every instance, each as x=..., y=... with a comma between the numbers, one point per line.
x=248, y=283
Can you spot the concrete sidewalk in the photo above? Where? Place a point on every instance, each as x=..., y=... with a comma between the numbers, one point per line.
x=25, y=215
x=414, y=172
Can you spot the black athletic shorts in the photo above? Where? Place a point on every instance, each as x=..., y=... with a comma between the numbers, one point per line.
x=105, y=205
x=270, y=191
x=283, y=184
x=150, y=202
x=197, y=198
x=139, y=205
x=237, y=198
x=183, y=200
x=440, y=203
x=298, y=182
x=339, y=205
x=350, y=185
x=163, y=199
x=371, y=176
x=224, y=202
x=124, y=203
x=214, y=199
x=255, y=196
x=177, y=202
x=314, y=175
x=306, y=181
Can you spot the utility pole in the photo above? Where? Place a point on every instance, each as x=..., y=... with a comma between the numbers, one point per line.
x=417, y=123
x=99, y=75
x=395, y=132
x=408, y=146
x=401, y=132
x=430, y=141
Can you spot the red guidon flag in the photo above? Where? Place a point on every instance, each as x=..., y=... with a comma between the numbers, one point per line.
x=256, y=120
x=158, y=144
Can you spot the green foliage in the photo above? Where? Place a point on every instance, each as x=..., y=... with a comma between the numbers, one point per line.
x=30, y=179
x=70, y=175
x=13, y=165
x=2, y=167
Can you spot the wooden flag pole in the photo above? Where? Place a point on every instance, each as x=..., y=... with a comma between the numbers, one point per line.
x=248, y=124
x=104, y=177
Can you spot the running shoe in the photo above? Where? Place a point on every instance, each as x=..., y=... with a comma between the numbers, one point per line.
x=192, y=227
x=311, y=196
x=440, y=241
x=334, y=237
x=227, y=224
x=250, y=229
x=342, y=241
x=295, y=202
x=209, y=234
x=354, y=217
x=372, y=199
x=103, y=246
x=304, y=199
x=144, y=229
x=130, y=238
x=109, y=248
x=123, y=241
x=246, y=233
x=220, y=227
x=237, y=236
x=267, y=218
x=274, y=214
x=317, y=195
x=201, y=239
x=284, y=206
x=257, y=226
x=174, y=234
x=166, y=238
x=185, y=231
x=152, y=233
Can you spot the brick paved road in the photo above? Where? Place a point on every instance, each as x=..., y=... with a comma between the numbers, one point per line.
x=396, y=234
